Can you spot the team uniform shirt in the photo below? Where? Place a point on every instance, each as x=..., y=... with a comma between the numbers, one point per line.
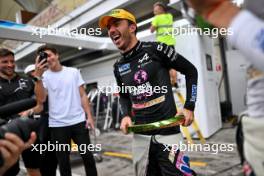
x=65, y=108
x=246, y=26
x=16, y=89
x=164, y=31
x=142, y=75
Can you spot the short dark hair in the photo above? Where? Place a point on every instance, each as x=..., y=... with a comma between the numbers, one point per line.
x=47, y=47
x=5, y=52
x=162, y=5
x=131, y=22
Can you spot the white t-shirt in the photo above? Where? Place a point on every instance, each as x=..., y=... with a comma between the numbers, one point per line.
x=65, y=106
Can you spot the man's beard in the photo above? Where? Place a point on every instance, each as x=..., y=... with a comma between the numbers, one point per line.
x=126, y=40
x=7, y=73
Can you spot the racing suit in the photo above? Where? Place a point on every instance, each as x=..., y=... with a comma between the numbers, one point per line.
x=142, y=75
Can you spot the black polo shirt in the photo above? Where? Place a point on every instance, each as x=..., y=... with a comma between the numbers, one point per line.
x=18, y=88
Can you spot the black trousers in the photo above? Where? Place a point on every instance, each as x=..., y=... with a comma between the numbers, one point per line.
x=48, y=159
x=80, y=135
x=48, y=164
x=160, y=164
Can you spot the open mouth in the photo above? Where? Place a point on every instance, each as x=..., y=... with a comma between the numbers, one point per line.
x=115, y=38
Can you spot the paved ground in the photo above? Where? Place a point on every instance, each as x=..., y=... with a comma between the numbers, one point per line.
x=222, y=163
x=204, y=163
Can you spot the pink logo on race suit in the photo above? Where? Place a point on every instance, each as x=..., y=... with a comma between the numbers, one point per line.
x=140, y=76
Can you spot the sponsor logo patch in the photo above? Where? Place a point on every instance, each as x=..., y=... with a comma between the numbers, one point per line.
x=140, y=76
x=260, y=40
x=194, y=93
x=124, y=67
x=144, y=58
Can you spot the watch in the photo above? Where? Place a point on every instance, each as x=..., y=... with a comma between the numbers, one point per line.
x=37, y=78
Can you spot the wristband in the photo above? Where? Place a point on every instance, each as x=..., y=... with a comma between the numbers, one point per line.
x=37, y=78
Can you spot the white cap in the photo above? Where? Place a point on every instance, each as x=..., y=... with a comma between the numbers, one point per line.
x=29, y=68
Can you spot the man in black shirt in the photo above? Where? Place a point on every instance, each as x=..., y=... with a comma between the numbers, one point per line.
x=14, y=87
x=48, y=159
x=143, y=70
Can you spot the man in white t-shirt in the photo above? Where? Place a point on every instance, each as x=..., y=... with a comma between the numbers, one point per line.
x=68, y=109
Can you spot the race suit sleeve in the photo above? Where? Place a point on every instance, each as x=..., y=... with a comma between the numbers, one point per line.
x=248, y=36
x=171, y=59
x=125, y=102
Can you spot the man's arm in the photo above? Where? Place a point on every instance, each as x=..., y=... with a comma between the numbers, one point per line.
x=125, y=102
x=125, y=105
x=35, y=110
x=154, y=25
x=174, y=60
x=86, y=107
x=152, y=28
x=191, y=76
x=40, y=91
